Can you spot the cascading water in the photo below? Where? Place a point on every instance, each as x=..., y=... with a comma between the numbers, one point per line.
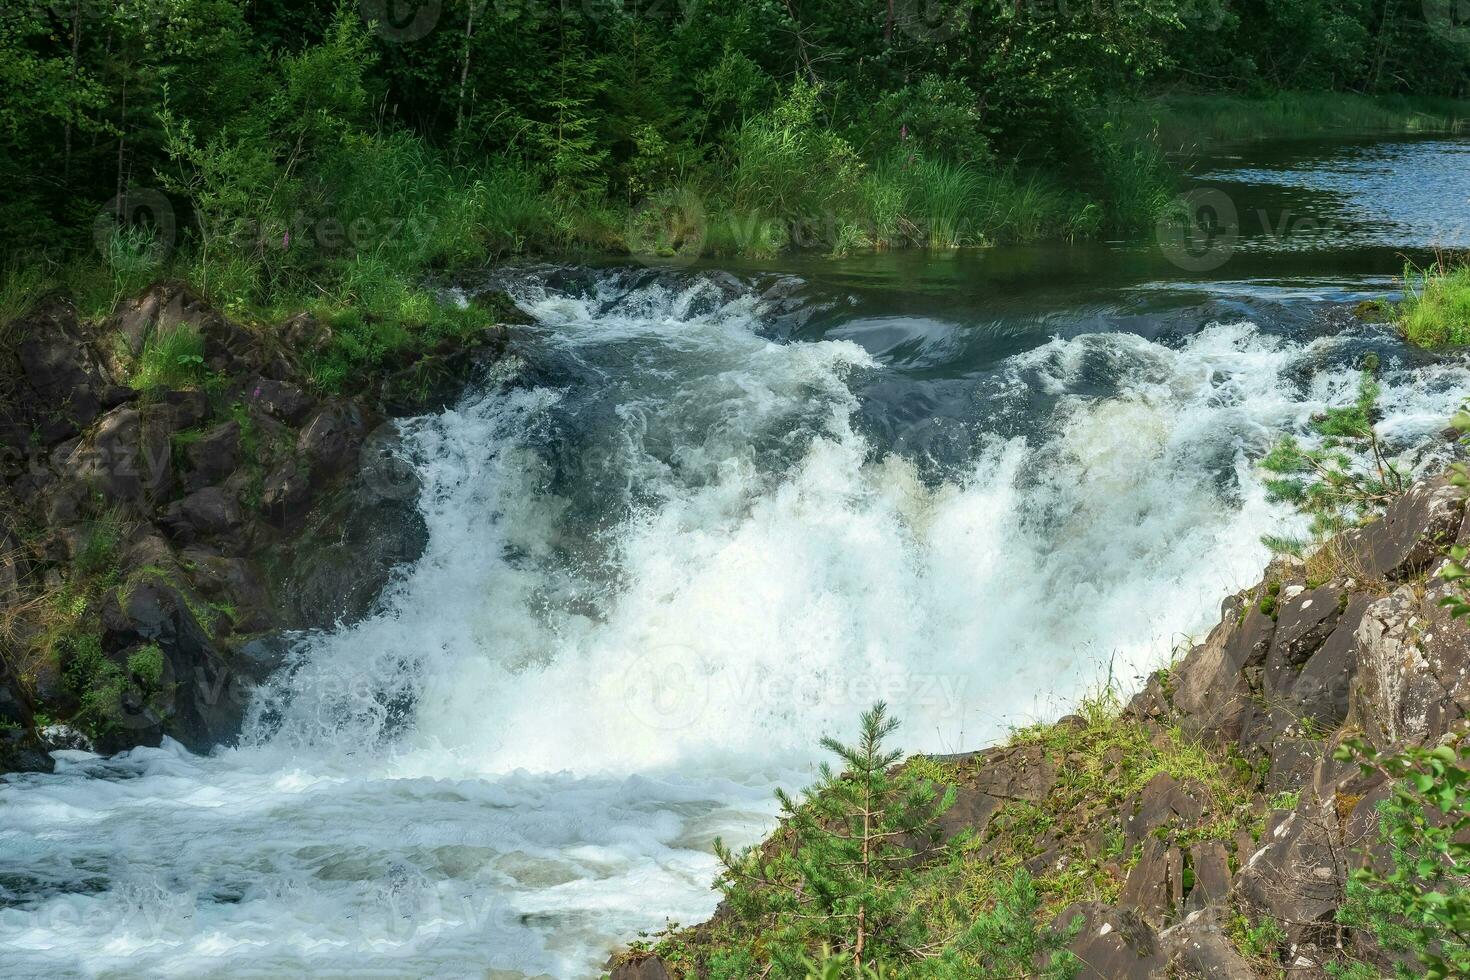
x=694, y=524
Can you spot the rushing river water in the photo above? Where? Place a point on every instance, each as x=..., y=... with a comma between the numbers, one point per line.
x=704, y=516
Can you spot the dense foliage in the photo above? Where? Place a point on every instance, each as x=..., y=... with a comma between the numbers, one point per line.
x=270, y=150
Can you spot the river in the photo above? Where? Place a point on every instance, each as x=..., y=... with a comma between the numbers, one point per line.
x=706, y=514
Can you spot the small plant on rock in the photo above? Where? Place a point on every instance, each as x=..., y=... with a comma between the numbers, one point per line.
x=1342, y=482
x=835, y=894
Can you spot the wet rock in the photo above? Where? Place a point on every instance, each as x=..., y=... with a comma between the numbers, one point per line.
x=1410, y=536
x=22, y=751
x=215, y=455
x=264, y=655
x=346, y=556
x=1112, y=942
x=285, y=494
x=280, y=399
x=57, y=738
x=200, y=699
x=210, y=512
x=234, y=583
x=332, y=438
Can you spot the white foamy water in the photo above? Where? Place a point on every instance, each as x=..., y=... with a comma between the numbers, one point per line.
x=663, y=559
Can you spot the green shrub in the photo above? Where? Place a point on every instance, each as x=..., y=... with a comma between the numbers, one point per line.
x=146, y=664
x=1422, y=905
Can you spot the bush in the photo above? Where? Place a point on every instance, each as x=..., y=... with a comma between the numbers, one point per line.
x=1421, y=907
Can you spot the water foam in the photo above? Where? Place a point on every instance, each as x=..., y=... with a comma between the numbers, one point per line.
x=609, y=655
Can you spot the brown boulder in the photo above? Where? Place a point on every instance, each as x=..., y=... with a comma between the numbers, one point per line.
x=215, y=455
x=1299, y=875
x=1155, y=886
x=1410, y=536
x=1198, y=947
x=1112, y=942
x=636, y=966
x=1163, y=804
x=210, y=512
x=331, y=438
x=1209, y=691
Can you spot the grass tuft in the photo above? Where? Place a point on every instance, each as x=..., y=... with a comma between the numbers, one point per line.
x=1435, y=311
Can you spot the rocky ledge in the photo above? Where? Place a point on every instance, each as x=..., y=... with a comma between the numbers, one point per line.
x=158, y=545
x=1205, y=829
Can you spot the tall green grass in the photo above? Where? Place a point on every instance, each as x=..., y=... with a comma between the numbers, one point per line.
x=172, y=358
x=1435, y=311
x=21, y=286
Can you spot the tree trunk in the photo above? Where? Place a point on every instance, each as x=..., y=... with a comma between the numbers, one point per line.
x=464, y=66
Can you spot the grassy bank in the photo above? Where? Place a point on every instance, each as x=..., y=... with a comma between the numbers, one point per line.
x=1192, y=122
x=1435, y=310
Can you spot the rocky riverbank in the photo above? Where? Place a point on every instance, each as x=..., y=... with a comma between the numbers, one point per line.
x=160, y=542
x=1204, y=829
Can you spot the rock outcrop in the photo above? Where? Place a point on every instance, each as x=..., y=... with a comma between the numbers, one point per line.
x=1363, y=648
x=153, y=545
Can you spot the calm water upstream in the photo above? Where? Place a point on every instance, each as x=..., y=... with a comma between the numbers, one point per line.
x=708, y=514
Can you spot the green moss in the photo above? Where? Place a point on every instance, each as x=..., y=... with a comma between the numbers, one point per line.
x=1268, y=602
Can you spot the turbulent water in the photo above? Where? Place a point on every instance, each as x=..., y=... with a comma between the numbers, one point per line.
x=696, y=521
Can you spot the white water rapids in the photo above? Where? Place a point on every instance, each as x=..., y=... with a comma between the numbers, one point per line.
x=652, y=581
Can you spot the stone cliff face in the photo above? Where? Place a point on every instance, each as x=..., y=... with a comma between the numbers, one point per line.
x=1261, y=828
x=155, y=547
